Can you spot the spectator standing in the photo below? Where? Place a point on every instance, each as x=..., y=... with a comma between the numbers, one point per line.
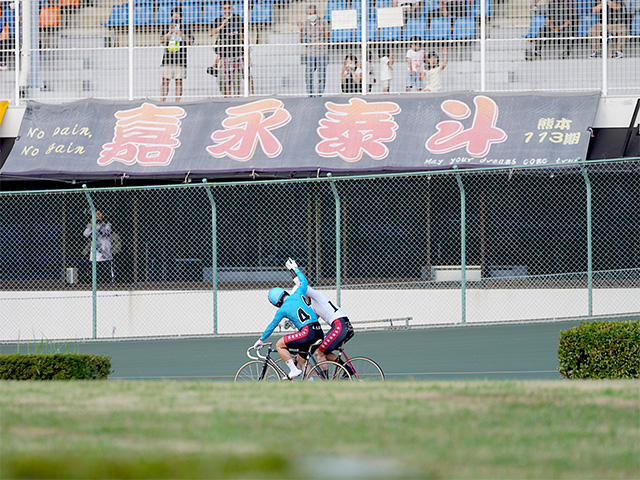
x=560, y=21
x=315, y=31
x=618, y=22
x=351, y=75
x=415, y=65
x=432, y=81
x=104, y=254
x=386, y=69
x=229, y=28
x=176, y=38
x=371, y=75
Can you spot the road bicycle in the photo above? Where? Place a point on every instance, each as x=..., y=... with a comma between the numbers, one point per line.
x=264, y=368
x=361, y=369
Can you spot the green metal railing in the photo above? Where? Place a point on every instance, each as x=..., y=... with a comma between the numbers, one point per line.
x=451, y=246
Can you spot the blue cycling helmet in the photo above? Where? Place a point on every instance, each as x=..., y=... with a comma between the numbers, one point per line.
x=276, y=295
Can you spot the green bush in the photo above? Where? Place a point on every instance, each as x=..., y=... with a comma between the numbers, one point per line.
x=54, y=367
x=600, y=350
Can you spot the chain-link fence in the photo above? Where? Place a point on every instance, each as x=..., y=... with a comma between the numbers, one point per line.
x=194, y=49
x=438, y=248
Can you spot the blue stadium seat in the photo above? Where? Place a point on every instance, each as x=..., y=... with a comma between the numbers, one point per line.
x=192, y=13
x=143, y=14
x=464, y=28
x=262, y=12
x=211, y=12
x=389, y=34
x=536, y=23
x=384, y=3
x=431, y=5
x=372, y=31
x=119, y=16
x=635, y=26
x=586, y=22
x=440, y=29
x=475, y=9
x=584, y=7
x=238, y=8
x=164, y=14
x=415, y=27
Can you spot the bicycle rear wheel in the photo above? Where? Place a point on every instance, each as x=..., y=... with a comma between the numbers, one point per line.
x=328, y=371
x=256, y=371
x=365, y=370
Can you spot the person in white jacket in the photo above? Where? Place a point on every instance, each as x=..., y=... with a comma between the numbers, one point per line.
x=104, y=255
x=341, y=329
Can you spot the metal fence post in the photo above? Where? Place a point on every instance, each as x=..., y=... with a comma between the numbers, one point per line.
x=463, y=245
x=94, y=276
x=214, y=256
x=587, y=182
x=338, y=249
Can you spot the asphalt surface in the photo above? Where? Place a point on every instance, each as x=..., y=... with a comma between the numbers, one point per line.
x=523, y=351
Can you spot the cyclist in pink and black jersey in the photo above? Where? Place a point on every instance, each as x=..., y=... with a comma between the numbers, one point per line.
x=341, y=329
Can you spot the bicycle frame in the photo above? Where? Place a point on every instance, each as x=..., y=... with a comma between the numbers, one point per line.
x=310, y=364
x=267, y=361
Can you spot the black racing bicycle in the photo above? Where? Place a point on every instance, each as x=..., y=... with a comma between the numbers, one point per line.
x=265, y=368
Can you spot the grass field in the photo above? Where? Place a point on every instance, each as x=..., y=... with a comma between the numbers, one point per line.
x=485, y=429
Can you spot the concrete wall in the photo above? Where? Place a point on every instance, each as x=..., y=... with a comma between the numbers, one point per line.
x=65, y=315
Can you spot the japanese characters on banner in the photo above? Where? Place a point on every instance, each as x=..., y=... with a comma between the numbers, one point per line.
x=338, y=134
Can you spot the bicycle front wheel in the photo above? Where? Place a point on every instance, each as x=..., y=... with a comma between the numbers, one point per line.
x=256, y=371
x=328, y=371
x=364, y=369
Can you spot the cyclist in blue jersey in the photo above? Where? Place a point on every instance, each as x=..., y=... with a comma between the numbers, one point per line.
x=301, y=315
x=341, y=330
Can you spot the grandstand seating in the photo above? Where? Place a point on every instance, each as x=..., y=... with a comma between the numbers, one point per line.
x=440, y=29
x=372, y=31
x=238, y=8
x=464, y=28
x=390, y=33
x=164, y=14
x=475, y=8
x=211, y=11
x=584, y=7
x=635, y=25
x=415, y=27
x=262, y=12
x=192, y=13
x=143, y=14
x=119, y=16
x=535, y=24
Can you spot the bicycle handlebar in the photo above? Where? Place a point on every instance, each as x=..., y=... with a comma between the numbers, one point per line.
x=258, y=356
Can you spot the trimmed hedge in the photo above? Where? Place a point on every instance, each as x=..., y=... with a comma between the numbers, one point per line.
x=600, y=350
x=54, y=367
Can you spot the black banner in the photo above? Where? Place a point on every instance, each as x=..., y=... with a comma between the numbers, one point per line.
x=331, y=134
